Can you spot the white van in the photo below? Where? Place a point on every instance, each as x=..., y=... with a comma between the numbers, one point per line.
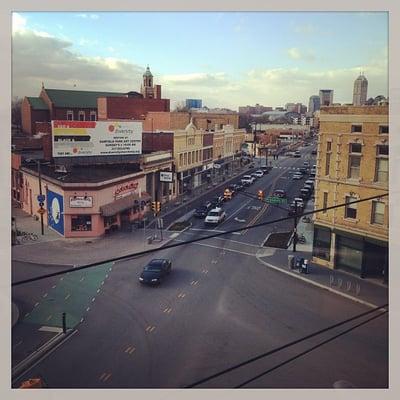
x=215, y=216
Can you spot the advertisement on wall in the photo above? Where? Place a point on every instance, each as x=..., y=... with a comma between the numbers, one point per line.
x=55, y=208
x=96, y=138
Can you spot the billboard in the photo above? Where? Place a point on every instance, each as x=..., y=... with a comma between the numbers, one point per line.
x=55, y=211
x=96, y=138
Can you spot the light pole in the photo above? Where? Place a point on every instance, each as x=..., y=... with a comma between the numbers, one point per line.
x=41, y=194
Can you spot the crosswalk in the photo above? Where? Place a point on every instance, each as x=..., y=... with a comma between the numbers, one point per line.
x=288, y=168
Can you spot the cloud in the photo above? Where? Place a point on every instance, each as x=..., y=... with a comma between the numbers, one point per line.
x=306, y=29
x=87, y=42
x=88, y=16
x=18, y=22
x=296, y=54
x=51, y=60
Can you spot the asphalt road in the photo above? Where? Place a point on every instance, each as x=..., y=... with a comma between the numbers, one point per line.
x=219, y=307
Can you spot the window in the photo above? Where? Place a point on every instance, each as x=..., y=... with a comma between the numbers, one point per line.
x=382, y=170
x=356, y=128
x=70, y=115
x=354, y=167
x=327, y=163
x=81, y=115
x=351, y=209
x=382, y=163
x=355, y=148
x=328, y=146
x=180, y=160
x=197, y=155
x=93, y=115
x=322, y=243
x=325, y=202
x=378, y=213
x=383, y=129
x=185, y=159
x=190, y=157
x=81, y=223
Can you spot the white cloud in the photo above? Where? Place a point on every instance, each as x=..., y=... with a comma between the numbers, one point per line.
x=294, y=53
x=87, y=16
x=18, y=22
x=297, y=54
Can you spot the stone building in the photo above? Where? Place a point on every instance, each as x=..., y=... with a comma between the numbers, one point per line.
x=353, y=164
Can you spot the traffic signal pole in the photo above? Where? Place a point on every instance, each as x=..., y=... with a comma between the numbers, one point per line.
x=295, y=227
x=40, y=192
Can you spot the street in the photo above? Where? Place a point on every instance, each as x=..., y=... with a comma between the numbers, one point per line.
x=219, y=307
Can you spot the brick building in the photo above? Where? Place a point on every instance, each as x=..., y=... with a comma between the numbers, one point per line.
x=352, y=164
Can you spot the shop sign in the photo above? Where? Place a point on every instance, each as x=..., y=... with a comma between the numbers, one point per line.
x=165, y=176
x=126, y=189
x=80, y=201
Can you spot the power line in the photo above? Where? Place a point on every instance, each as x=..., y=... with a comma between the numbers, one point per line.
x=309, y=350
x=170, y=246
x=283, y=347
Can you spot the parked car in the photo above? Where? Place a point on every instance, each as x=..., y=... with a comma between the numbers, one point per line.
x=265, y=169
x=292, y=208
x=314, y=152
x=155, y=271
x=305, y=193
x=303, y=170
x=306, y=163
x=239, y=187
x=309, y=187
x=300, y=201
x=233, y=188
x=297, y=176
x=254, y=175
x=259, y=173
x=215, y=216
x=309, y=182
x=297, y=154
x=247, y=180
x=279, y=193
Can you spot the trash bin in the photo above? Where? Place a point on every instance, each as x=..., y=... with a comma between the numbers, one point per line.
x=291, y=262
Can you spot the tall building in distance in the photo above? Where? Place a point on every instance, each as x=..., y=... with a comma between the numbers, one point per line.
x=194, y=103
x=148, y=90
x=314, y=104
x=360, y=91
x=353, y=164
x=326, y=97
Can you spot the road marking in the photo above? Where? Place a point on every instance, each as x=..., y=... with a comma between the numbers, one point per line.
x=36, y=304
x=54, y=286
x=102, y=283
x=244, y=205
x=193, y=283
x=20, y=342
x=110, y=269
x=214, y=261
x=105, y=376
x=62, y=278
x=226, y=249
x=130, y=349
x=181, y=295
x=294, y=275
x=45, y=295
x=55, y=329
x=67, y=296
x=82, y=320
x=88, y=309
x=102, y=376
x=27, y=315
x=150, y=328
x=167, y=310
x=106, y=275
x=174, y=235
x=49, y=318
x=80, y=280
x=93, y=299
x=205, y=271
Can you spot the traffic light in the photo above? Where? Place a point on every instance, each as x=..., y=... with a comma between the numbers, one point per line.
x=158, y=206
x=227, y=194
x=260, y=195
x=153, y=206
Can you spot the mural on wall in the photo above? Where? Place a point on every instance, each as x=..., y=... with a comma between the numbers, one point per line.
x=55, y=208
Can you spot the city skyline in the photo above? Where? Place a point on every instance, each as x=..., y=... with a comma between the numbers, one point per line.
x=241, y=59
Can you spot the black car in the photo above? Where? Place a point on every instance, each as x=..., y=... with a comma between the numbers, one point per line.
x=303, y=170
x=265, y=169
x=217, y=201
x=155, y=271
x=314, y=152
x=201, y=212
x=239, y=187
x=233, y=189
x=279, y=193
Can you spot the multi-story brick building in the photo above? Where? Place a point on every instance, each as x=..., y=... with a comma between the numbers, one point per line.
x=352, y=164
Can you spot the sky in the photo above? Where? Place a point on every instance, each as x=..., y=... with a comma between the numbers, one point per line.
x=227, y=59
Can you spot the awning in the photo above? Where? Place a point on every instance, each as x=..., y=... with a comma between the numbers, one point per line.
x=123, y=204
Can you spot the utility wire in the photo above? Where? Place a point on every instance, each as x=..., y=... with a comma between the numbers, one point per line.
x=285, y=346
x=170, y=246
x=309, y=350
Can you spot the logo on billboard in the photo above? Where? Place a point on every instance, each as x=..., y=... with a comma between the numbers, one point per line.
x=55, y=208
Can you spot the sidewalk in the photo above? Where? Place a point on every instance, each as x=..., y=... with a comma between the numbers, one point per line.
x=369, y=292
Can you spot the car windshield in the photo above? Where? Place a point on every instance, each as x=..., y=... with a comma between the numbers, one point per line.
x=213, y=214
x=155, y=265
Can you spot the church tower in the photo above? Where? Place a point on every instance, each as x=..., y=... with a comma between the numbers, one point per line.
x=148, y=90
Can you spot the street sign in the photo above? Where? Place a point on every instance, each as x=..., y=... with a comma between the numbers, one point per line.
x=41, y=198
x=41, y=211
x=275, y=200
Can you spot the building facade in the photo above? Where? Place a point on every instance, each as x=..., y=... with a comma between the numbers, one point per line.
x=360, y=91
x=352, y=164
x=314, y=104
x=326, y=97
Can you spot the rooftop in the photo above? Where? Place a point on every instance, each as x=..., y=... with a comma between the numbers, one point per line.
x=37, y=103
x=84, y=173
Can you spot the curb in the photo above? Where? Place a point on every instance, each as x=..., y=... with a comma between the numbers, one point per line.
x=40, y=353
x=319, y=285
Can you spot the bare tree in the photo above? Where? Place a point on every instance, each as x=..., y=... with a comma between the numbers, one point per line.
x=181, y=107
x=16, y=118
